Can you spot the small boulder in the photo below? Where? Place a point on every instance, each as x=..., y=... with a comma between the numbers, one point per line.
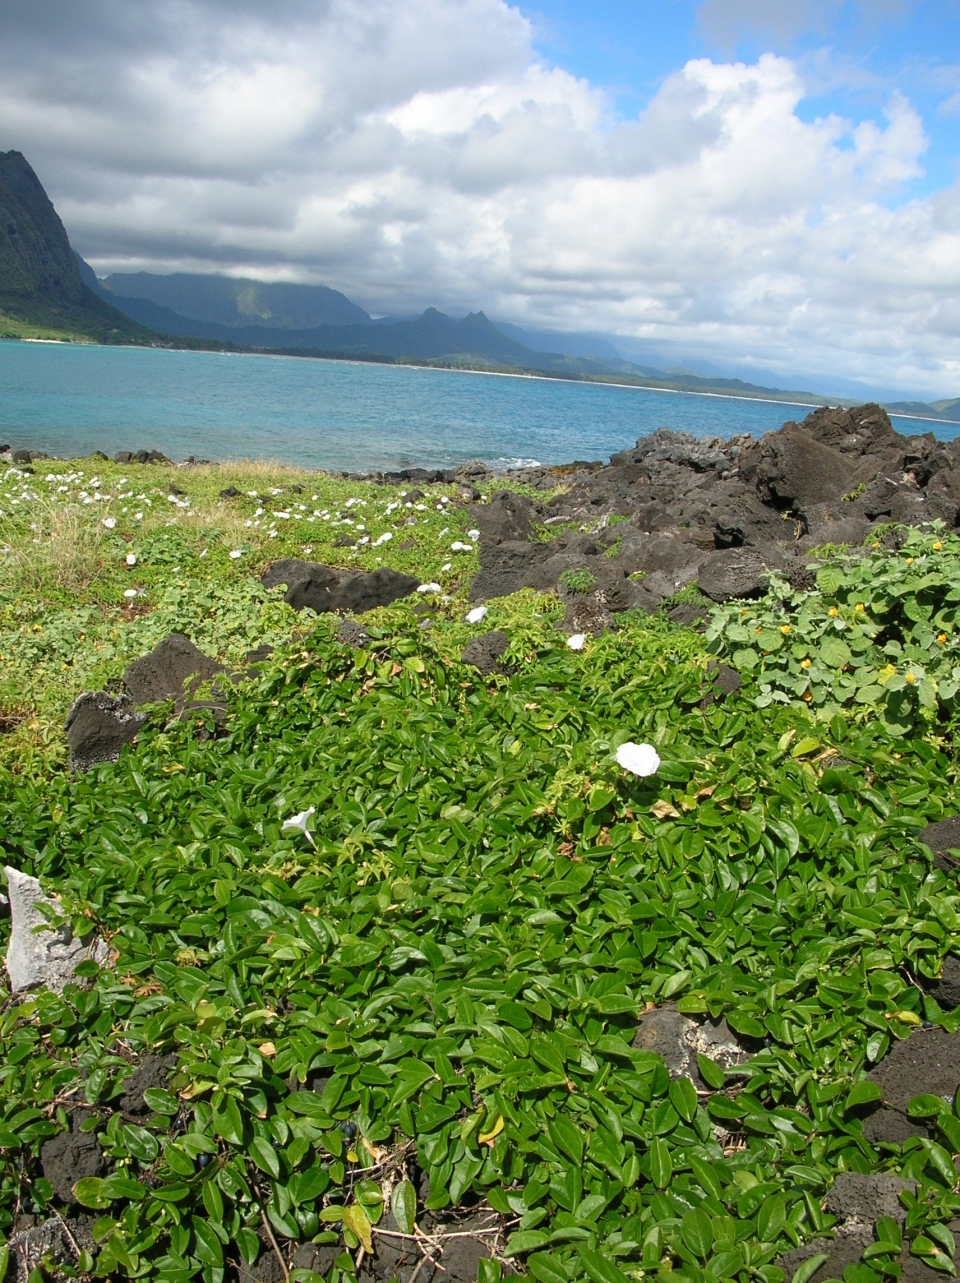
x=928, y=1062
x=507, y=516
x=324, y=588
x=152, y=1071
x=40, y=956
x=735, y=573
x=484, y=652
x=946, y=990
x=942, y=837
x=863, y=1196
x=352, y=634
x=723, y=680
x=231, y=492
x=97, y=727
x=678, y=1040
x=167, y=671
x=70, y=1156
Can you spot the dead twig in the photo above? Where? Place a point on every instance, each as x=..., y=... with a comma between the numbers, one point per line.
x=273, y=1244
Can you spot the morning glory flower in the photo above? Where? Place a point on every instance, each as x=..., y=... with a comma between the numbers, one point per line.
x=131, y=559
x=300, y=822
x=384, y=538
x=130, y=593
x=429, y=588
x=474, y=616
x=235, y=553
x=473, y=534
x=577, y=641
x=639, y=759
x=109, y=522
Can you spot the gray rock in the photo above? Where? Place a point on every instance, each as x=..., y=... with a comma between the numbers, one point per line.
x=352, y=634
x=46, y=958
x=507, y=516
x=97, y=727
x=887, y=1126
x=862, y=1197
x=51, y=1239
x=942, y=837
x=946, y=989
x=928, y=1062
x=70, y=1156
x=484, y=652
x=324, y=588
x=168, y=672
x=736, y=573
x=678, y=1040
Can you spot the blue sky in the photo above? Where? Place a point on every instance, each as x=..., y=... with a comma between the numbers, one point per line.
x=767, y=187
x=855, y=55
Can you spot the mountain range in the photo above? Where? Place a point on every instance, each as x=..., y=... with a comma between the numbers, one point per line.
x=47, y=290
x=41, y=287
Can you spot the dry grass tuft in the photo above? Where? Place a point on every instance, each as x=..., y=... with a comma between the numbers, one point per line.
x=65, y=552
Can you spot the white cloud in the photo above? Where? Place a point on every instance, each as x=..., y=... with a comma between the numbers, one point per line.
x=420, y=153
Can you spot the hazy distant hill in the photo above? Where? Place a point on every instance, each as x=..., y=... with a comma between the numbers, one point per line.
x=949, y=411
x=236, y=302
x=41, y=290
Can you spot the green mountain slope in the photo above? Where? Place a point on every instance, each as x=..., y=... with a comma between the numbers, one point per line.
x=42, y=294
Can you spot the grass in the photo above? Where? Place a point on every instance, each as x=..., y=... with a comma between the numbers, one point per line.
x=445, y=978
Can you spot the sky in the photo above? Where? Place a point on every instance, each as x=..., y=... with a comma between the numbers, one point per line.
x=772, y=188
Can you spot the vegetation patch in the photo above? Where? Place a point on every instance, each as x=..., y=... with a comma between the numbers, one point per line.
x=390, y=932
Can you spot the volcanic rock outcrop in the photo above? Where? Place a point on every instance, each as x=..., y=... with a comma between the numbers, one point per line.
x=676, y=510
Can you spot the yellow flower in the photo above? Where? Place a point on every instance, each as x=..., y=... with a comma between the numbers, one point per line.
x=937, y=546
x=910, y=677
x=942, y=638
x=785, y=629
x=808, y=695
x=909, y=561
x=805, y=663
x=859, y=606
x=874, y=545
x=833, y=611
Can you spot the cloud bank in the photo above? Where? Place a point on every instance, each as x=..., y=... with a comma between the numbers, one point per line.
x=421, y=154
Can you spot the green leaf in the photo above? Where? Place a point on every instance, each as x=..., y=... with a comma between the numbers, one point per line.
x=696, y=1228
x=661, y=1165
x=544, y=1267
x=683, y=1097
x=771, y=1218
x=567, y=1138
x=160, y=1101
x=89, y=1192
x=403, y=1204
x=228, y=1121
x=525, y=1241
x=265, y=1156
x=356, y=1219
x=742, y=1023
x=711, y=1073
x=806, y=1269
x=863, y=1093
x=599, y=1268
x=926, y=1106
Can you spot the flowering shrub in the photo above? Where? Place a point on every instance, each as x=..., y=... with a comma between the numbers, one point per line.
x=878, y=636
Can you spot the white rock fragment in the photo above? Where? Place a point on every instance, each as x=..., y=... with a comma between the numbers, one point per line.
x=46, y=958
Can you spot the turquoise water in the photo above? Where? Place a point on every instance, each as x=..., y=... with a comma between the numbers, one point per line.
x=72, y=400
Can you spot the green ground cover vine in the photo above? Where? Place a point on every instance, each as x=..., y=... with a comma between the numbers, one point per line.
x=446, y=977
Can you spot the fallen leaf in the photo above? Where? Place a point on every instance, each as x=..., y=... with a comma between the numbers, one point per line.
x=267, y=1049
x=663, y=811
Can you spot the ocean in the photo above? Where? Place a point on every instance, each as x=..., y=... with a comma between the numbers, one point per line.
x=70, y=400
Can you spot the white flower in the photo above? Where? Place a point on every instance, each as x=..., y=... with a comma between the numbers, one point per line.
x=138, y=516
x=473, y=534
x=429, y=588
x=577, y=641
x=109, y=522
x=474, y=616
x=235, y=553
x=300, y=822
x=384, y=538
x=639, y=759
x=130, y=593
x=447, y=565
x=131, y=558
x=457, y=546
